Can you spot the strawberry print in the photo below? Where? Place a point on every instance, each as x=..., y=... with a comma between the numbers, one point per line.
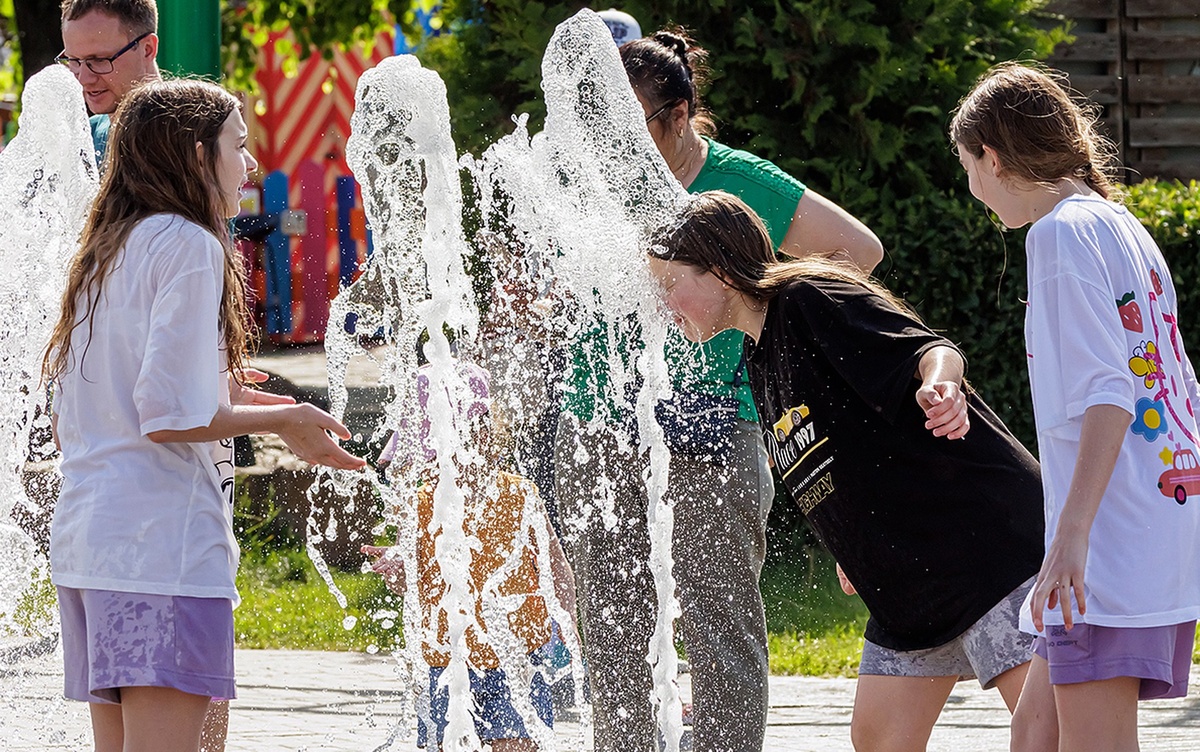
x=1131, y=313
x=1154, y=280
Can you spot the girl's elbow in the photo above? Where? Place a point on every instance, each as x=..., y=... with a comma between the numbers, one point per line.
x=161, y=437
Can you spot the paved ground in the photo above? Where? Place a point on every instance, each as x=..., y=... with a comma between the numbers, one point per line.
x=308, y=701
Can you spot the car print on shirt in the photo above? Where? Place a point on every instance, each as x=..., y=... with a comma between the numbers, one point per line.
x=792, y=417
x=1183, y=478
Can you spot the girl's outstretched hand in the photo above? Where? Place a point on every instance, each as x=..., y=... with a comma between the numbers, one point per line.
x=1062, y=572
x=945, y=408
x=305, y=429
x=387, y=563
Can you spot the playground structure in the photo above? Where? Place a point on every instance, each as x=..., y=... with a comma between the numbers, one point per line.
x=299, y=125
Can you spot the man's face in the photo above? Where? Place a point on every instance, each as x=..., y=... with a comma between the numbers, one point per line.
x=101, y=35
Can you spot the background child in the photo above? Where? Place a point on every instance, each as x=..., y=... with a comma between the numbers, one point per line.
x=1114, y=399
x=503, y=512
x=917, y=489
x=147, y=359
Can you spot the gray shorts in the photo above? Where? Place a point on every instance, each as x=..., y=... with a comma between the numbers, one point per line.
x=988, y=648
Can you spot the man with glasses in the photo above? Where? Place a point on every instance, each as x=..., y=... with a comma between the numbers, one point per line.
x=110, y=46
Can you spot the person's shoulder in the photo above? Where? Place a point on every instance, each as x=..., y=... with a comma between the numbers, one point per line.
x=828, y=289
x=165, y=232
x=738, y=164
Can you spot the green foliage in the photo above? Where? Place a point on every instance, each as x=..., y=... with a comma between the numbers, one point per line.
x=318, y=26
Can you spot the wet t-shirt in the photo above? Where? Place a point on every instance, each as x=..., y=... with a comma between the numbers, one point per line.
x=932, y=532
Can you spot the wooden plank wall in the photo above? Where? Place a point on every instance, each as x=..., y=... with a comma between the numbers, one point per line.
x=1140, y=59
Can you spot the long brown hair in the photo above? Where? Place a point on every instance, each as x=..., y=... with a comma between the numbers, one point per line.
x=718, y=232
x=1039, y=132
x=153, y=167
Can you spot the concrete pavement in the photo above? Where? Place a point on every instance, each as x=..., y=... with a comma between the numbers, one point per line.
x=348, y=702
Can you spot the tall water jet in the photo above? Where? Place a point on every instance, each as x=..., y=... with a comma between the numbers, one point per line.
x=416, y=285
x=48, y=179
x=582, y=198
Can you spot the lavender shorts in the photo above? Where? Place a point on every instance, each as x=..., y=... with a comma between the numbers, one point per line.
x=113, y=639
x=1160, y=656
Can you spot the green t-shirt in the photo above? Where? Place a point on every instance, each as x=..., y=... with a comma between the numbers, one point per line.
x=707, y=367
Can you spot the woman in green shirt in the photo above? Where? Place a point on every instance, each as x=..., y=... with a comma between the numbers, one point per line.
x=721, y=502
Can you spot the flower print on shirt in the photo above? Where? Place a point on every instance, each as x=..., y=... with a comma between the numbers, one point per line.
x=1149, y=418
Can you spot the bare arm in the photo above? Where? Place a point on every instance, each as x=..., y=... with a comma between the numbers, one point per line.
x=1100, y=440
x=302, y=427
x=823, y=228
x=940, y=394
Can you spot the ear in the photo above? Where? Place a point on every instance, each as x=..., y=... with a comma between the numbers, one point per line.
x=679, y=117
x=991, y=161
x=200, y=152
x=150, y=47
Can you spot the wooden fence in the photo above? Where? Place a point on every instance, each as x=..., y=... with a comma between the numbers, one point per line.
x=1140, y=59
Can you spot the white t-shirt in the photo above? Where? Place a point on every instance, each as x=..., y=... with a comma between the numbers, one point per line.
x=1101, y=330
x=135, y=516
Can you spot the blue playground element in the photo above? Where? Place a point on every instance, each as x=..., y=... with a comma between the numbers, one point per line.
x=347, y=248
x=278, y=258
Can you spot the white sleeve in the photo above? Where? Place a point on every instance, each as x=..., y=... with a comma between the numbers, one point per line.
x=178, y=384
x=1078, y=339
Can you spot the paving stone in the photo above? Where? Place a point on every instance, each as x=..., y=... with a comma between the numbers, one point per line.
x=300, y=701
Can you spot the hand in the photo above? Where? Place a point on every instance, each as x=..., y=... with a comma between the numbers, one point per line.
x=305, y=429
x=388, y=565
x=847, y=586
x=241, y=395
x=945, y=408
x=1061, y=572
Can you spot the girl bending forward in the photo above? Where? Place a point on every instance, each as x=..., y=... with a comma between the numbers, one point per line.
x=929, y=505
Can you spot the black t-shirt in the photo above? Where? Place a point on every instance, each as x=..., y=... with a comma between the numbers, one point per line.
x=932, y=532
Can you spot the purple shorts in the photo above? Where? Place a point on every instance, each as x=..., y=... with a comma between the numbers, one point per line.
x=1160, y=656
x=113, y=639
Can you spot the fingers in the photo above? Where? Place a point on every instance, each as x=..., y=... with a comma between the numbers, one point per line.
x=254, y=376
x=255, y=397
x=945, y=410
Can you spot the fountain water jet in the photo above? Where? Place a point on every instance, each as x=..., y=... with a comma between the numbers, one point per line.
x=48, y=178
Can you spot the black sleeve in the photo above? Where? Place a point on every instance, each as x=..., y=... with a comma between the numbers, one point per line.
x=871, y=344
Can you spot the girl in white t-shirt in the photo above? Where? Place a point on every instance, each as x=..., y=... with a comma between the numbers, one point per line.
x=148, y=359
x=1114, y=399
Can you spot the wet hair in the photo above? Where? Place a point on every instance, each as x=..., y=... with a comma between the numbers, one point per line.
x=718, y=232
x=1039, y=132
x=137, y=16
x=666, y=68
x=153, y=167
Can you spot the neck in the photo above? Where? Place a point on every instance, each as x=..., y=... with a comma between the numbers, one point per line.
x=689, y=157
x=748, y=315
x=1042, y=201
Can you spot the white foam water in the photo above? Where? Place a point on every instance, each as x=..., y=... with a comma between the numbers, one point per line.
x=565, y=219
x=48, y=179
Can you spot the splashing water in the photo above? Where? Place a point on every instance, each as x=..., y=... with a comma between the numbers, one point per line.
x=565, y=217
x=47, y=181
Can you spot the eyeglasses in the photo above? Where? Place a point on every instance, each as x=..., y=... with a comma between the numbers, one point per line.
x=662, y=109
x=98, y=65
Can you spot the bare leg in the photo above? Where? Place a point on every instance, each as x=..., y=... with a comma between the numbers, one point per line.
x=107, y=727
x=1098, y=716
x=896, y=713
x=1035, y=721
x=216, y=727
x=1010, y=684
x=160, y=719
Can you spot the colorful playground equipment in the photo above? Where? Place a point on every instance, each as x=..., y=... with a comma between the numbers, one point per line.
x=308, y=204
